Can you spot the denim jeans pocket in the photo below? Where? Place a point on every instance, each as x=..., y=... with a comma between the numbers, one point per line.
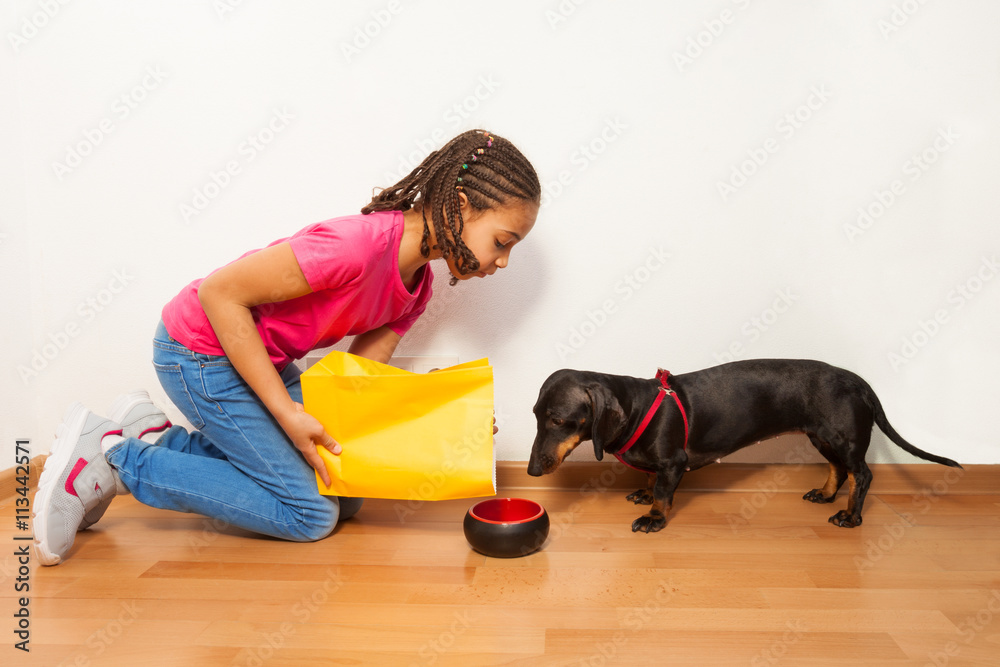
x=221, y=381
x=172, y=380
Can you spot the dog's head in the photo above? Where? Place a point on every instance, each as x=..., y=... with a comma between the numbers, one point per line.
x=572, y=406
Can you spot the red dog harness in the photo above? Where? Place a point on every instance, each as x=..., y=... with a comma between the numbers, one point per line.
x=664, y=389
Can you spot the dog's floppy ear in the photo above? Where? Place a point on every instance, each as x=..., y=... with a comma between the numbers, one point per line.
x=608, y=417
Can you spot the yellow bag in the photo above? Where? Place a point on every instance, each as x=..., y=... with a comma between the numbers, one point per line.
x=414, y=436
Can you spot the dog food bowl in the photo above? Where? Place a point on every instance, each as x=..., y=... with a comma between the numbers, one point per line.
x=506, y=527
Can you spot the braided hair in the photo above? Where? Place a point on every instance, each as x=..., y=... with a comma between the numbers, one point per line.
x=491, y=172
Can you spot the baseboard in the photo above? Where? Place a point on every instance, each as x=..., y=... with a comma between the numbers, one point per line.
x=738, y=477
x=742, y=477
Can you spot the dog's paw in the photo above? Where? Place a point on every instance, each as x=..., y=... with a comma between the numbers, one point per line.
x=649, y=524
x=845, y=520
x=641, y=497
x=816, y=496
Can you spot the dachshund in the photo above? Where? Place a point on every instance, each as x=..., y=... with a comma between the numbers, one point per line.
x=708, y=414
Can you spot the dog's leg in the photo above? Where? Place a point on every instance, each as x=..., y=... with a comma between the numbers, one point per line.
x=663, y=500
x=838, y=474
x=859, y=480
x=643, y=496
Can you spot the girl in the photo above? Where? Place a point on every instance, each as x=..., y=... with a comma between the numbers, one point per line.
x=224, y=348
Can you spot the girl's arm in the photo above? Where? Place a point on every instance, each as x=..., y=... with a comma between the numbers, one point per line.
x=267, y=276
x=377, y=344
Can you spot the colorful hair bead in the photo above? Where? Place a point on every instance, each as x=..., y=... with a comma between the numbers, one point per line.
x=475, y=155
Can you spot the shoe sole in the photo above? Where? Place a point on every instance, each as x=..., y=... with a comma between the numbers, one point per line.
x=124, y=404
x=67, y=434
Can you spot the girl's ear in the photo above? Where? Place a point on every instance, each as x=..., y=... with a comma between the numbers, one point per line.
x=607, y=418
x=463, y=202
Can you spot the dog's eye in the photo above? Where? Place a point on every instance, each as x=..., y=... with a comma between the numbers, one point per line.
x=556, y=421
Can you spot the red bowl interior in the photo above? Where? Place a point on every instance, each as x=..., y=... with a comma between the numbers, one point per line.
x=506, y=510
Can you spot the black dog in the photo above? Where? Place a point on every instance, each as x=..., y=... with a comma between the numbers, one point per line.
x=713, y=413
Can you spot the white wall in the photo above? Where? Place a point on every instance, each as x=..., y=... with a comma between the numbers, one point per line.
x=633, y=113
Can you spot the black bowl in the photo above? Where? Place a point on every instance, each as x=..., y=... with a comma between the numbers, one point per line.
x=506, y=527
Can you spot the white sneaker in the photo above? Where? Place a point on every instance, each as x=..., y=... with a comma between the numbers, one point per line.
x=138, y=416
x=76, y=480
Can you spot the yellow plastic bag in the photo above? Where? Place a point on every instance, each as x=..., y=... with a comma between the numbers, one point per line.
x=414, y=436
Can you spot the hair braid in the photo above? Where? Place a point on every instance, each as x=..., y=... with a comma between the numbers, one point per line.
x=497, y=185
x=498, y=176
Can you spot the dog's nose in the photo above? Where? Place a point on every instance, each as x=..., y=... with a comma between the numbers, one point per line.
x=534, y=468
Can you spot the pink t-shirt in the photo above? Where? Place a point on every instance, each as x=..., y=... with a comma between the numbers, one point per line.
x=352, y=265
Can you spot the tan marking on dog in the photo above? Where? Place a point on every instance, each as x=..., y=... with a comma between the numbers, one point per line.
x=853, y=497
x=564, y=448
x=659, y=508
x=830, y=487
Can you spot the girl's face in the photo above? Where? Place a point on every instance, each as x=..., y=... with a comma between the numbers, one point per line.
x=492, y=233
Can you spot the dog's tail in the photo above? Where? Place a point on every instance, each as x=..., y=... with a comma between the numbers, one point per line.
x=883, y=423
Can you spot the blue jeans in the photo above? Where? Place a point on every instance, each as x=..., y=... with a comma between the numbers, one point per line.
x=238, y=466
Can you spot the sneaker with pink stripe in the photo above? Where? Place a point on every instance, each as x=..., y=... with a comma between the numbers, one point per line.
x=76, y=479
x=139, y=416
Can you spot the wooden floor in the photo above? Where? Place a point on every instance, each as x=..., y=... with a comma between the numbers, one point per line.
x=747, y=575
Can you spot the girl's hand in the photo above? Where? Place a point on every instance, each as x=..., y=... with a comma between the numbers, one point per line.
x=306, y=433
